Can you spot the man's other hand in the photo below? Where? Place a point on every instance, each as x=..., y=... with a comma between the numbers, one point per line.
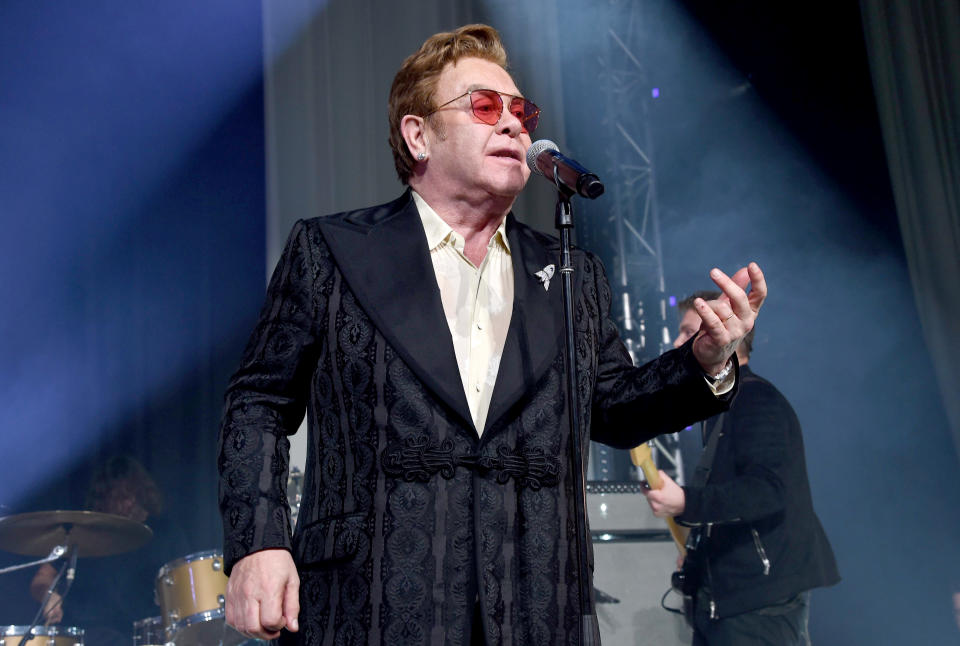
x=53, y=609
x=667, y=501
x=263, y=594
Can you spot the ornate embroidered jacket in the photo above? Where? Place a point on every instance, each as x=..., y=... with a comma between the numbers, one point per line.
x=408, y=518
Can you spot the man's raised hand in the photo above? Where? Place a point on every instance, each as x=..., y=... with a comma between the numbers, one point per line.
x=726, y=320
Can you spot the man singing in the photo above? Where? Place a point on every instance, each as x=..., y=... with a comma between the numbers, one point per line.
x=426, y=345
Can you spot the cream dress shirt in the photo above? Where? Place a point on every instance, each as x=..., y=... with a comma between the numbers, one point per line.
x=477, y=302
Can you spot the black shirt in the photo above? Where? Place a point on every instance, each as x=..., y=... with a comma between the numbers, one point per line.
x=109, y=593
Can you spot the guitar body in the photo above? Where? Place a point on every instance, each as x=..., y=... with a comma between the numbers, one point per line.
x=687, y=579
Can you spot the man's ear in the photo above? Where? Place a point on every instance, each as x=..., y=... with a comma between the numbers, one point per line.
x=414, y=132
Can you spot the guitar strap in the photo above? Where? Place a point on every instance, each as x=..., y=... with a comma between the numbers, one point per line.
x=701, y=476
x=702, y=473
x=687, y=580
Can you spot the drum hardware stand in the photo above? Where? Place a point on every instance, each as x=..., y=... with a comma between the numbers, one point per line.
x=68, y=532
x=603, y=597
x=55, y=554
x=223, y=633
x=70, y=567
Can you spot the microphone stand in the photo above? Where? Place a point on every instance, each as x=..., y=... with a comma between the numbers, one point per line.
x=589, y=627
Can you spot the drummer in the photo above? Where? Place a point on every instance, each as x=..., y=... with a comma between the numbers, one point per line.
x=110, y=593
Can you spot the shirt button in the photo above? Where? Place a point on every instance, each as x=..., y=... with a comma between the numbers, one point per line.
x=479, y=326
x=478, y=388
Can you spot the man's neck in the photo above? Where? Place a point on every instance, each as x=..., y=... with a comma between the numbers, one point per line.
x=475, y=220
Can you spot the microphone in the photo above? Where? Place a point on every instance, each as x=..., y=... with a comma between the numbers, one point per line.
x=544, y=159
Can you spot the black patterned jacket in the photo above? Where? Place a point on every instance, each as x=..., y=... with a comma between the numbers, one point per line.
x=408, y=516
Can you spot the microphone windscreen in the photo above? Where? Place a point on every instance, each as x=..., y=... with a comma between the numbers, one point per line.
x=534, y=151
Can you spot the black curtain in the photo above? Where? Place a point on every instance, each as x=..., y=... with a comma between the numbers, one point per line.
x=914, y=50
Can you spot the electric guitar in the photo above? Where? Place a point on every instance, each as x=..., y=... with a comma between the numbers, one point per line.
x=686, y=580
x=643, y=458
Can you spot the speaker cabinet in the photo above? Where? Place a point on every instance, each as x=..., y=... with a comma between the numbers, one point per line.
x=634, y=557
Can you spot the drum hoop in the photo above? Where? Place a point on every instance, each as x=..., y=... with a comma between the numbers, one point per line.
x=198, y=618
x=148, y=621
x=41, y=631
x=168, y=567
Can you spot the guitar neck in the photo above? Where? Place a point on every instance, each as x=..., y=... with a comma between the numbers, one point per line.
x=642, y=458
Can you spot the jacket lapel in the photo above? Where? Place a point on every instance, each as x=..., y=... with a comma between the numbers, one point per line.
x=536, y=332
x=383, y=256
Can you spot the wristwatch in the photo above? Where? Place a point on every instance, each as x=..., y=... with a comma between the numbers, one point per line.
x=723, y=374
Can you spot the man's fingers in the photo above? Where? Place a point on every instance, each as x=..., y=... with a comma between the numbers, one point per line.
x=758, y=287
x=665, y=479
x=711, y=323
x=234, y=609
x=291, y=605
x=742, y=278
x=250, y=621
x=246, y=617
x=750, y=276
x=255, y=593
x=270, y=616
x=733, y=290
x=245, y=611
x=53, y=616
x=654, y=497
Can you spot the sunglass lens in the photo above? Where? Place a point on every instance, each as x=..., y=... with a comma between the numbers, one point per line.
x=526, y=112
x=531, y=116
x=487, y=106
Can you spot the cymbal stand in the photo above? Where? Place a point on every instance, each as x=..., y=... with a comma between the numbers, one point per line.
x=55, y=554
x=70, y=567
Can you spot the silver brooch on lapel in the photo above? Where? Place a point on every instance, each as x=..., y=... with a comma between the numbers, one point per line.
x=545, y=275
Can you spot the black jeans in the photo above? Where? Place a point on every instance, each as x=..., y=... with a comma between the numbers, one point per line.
x=779, y=624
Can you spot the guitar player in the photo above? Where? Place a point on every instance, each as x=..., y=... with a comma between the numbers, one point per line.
x=761, y=547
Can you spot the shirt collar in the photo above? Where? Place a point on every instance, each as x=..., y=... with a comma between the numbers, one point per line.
x=438, y=231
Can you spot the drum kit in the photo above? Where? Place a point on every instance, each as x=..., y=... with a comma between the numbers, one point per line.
x=189, y=590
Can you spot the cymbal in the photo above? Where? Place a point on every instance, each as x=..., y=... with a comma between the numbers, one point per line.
x=92, y=533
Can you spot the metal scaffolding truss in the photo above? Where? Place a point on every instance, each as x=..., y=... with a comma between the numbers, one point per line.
x=627, y=227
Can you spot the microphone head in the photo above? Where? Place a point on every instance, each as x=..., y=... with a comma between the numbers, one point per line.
x=534, y=151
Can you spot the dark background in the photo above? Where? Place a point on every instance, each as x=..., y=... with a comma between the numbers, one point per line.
x=132, y=189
